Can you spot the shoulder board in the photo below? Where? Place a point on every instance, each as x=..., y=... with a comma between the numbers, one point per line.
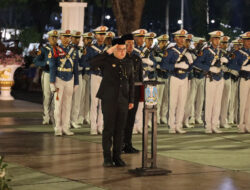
x=39, y=52
x=47, y=47
x=223, y=51
x=233, y=56
x=243, y=52
x=200, y=53
x=177, y=51
x=96, y=48
x=137, y=50
x=50, y=55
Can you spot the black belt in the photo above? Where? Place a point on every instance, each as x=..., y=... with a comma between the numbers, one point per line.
x=245, y=75
x=80, y=72
x=198, y=73
x=234, y=78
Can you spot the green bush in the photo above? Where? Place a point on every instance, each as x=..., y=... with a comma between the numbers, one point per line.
x=3, y=180
x=29, y=35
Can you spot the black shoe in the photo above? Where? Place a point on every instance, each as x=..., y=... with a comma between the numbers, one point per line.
x=119, y=162
x=130, y=150
x=108, y=163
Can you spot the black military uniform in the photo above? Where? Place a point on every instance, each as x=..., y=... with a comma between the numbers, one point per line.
x=137, y=63
x=116, y=92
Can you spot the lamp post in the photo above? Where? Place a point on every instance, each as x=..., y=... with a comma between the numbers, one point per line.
x=73, y=14
x=182, y=14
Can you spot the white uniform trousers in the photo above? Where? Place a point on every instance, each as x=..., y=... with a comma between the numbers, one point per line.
x=225, y=102
x=96, y=117
x=63, y=104
x=139, y=118
x=214, y=91
x=48, y=106
x=244, y=104
x=233, y=103
x=177, y=101
x=85, y=100
x=195, y=100
x=162, y=105
x=76, y=102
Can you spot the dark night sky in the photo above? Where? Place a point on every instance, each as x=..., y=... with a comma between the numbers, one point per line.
x=232, y=12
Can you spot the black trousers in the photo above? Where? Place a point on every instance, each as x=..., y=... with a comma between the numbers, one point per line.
x=115, y=118
x=130, y=124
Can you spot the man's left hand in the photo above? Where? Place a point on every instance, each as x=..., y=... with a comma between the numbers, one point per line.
x=130, y=106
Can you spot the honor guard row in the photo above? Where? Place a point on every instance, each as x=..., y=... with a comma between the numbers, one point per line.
x=195, y=73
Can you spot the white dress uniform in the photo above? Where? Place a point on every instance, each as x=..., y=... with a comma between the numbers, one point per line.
x=177, y=62
x=240, y=62
x=196, y=95
x=195, y=100
x=207, y=62
x=63, y=81
x=76, y=100
x=96, y=116
x=226, y=91
x=162, y=76
x=42, y=61
x=139, y=114
x=233, y=104
x=84, y=114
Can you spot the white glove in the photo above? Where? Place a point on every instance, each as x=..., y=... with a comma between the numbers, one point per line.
x=158, y=66
x=214, y=69
x=189, y=57
x=148, y=68
x=224, y=68
x=223, y=60
x=75, y=88
x=147, y=61
x=158, y=59
x=52, y=87
x=181, y=65
x=246, y=68
x=234, y=72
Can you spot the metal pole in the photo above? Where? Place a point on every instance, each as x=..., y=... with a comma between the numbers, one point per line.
x=208, y=19
x=167, y=17
x=182, y=13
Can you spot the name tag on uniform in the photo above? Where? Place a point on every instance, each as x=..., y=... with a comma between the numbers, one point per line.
x=151, y=95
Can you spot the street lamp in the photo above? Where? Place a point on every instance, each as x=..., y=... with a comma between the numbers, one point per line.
x=212, y=21
x=107, y=17
x=179, y=21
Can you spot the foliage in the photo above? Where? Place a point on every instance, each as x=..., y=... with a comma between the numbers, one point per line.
x=3, y=180
x=198, y=10
x=29, y=35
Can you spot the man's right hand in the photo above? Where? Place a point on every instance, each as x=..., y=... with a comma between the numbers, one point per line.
x=112, y=49
x=52, y=87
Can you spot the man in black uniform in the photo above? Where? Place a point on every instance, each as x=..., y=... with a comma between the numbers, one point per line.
x=137, y=64
x=117, y=94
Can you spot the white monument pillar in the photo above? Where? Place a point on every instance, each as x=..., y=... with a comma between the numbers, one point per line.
x=73, y=15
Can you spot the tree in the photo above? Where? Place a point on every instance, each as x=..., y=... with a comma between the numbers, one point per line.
x=128, y=14
x=199, y=23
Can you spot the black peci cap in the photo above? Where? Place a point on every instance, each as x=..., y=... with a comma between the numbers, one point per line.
x=128, y=37
x=118, y=41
